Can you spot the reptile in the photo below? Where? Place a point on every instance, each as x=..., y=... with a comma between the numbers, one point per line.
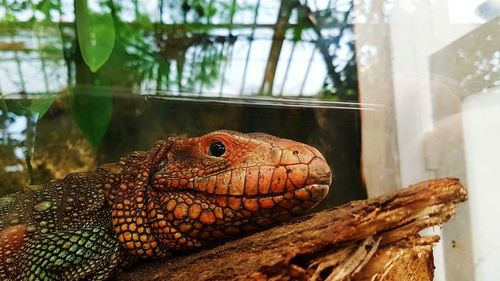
x=182, y=194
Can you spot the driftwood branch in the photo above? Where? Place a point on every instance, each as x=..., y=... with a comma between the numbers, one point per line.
x=375, y=239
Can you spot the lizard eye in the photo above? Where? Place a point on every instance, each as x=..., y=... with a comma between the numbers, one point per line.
x=216, y=149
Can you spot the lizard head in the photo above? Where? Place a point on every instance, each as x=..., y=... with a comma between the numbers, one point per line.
x=223, y=184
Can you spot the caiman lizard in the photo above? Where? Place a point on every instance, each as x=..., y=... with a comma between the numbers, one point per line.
x=182, y=194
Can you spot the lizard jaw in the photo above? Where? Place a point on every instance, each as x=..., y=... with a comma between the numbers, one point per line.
x=190, y=218
x=318, y=191
x=287, y=204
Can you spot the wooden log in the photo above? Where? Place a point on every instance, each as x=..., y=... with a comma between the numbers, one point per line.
x=374, y=239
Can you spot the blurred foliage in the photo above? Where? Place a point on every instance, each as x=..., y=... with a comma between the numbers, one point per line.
x=346, y=88
x=111, y=44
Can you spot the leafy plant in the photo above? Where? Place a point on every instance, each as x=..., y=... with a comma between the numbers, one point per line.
x=116, y=44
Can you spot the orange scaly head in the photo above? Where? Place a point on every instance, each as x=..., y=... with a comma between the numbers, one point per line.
x=196, y=190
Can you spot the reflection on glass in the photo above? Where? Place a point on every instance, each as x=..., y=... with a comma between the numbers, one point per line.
x=230, y=48
x=79, y=58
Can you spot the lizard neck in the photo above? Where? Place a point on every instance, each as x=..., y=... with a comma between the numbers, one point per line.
x=127, y=193
x=115, y=174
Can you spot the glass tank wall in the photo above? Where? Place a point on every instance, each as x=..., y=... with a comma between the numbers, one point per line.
x=85, y=82
x=391, y=92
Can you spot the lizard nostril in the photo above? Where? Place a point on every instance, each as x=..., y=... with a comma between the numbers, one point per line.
x=295, y=152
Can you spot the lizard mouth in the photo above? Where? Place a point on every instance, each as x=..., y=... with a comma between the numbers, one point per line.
x=316, y=192
x=295, y=201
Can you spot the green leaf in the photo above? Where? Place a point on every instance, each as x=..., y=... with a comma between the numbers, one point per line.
x=96, y=35
x=40, y=105
x=30, y=106
x=92, y=113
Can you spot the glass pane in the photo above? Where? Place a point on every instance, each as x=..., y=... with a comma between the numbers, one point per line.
x=390, y=92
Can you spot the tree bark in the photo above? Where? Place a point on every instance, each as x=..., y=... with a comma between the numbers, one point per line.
x=374, y=239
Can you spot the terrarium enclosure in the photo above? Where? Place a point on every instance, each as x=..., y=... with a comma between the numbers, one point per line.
x=391, y=92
